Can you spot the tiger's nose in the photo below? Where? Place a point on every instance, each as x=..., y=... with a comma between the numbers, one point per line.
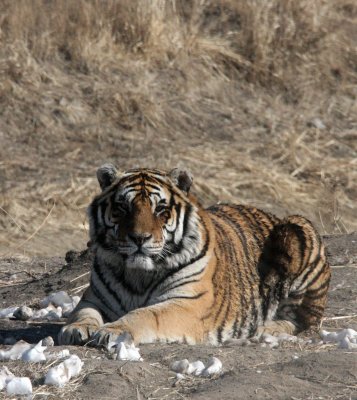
x=139, y=238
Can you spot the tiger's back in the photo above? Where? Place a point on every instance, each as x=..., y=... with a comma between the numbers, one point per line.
x=260, y=261
x=240, y=233
x=166, y=269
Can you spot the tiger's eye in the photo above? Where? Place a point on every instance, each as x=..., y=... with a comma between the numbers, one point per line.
x=120, y=208
x=160, y=208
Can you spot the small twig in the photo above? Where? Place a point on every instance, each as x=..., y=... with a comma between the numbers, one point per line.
x=12, y=219
x=322, y=224
x=45, y=322
x=13, y=284
x=25, y=272
x=39, y=393
x=51, y=363
x=345, y=266
x=340, y=317
x=79, y=288
x=146, y=370
x=78, y=277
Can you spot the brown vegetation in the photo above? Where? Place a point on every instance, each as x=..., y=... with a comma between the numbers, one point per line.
x=257, y=98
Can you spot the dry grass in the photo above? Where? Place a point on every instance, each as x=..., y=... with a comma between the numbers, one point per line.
x=235, y=90
x=37, y=372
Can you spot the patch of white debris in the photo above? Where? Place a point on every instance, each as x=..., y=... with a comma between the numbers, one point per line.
x=63, y=372
x=61, y=299
x=124, y=349
x=58, y=375
x=213, y=367
x=19, y=386
x=14, y=385
x=53, y=307
x=7, y=312
x=345, y=338
x=50, y=313
x=197, y=368
x=5, y=377
x=16, y=351
x=23, y=313
x=33, y=352
x=181, y=366
x=58, y=355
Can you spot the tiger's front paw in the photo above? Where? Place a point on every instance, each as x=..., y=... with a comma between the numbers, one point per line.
x=110, y=333
x=76, y=333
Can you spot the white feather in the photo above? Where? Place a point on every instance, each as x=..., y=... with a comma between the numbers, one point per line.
x=19, y=386
x=62, y=373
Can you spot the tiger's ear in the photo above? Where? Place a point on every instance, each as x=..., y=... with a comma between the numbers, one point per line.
x=106, y=175
x=181, y=178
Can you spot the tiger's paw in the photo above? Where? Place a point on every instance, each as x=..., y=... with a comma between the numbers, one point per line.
x=111, y=332
x=76, y=333
x=276, y=328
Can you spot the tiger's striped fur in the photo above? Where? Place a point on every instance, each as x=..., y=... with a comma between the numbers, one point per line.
x=166, y=269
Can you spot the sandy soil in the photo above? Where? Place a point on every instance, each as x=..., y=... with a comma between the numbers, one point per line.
x=293, y=371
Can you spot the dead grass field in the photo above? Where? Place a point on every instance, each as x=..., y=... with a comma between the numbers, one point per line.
x=257, y=98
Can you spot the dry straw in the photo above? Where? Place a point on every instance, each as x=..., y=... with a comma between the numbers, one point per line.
x=257, y=98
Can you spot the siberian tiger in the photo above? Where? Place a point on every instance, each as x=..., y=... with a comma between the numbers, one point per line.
x=166, y=269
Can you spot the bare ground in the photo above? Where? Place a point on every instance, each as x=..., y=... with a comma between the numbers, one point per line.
x=293, y=371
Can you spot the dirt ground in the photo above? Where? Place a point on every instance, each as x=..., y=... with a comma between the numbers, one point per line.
x=292, y=371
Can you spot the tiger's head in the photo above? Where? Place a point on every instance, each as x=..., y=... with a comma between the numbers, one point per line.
x=145, y=217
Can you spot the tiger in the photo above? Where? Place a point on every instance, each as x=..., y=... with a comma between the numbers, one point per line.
x=168, y=270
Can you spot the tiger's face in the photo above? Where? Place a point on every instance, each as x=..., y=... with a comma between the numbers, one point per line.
x=143, y=215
